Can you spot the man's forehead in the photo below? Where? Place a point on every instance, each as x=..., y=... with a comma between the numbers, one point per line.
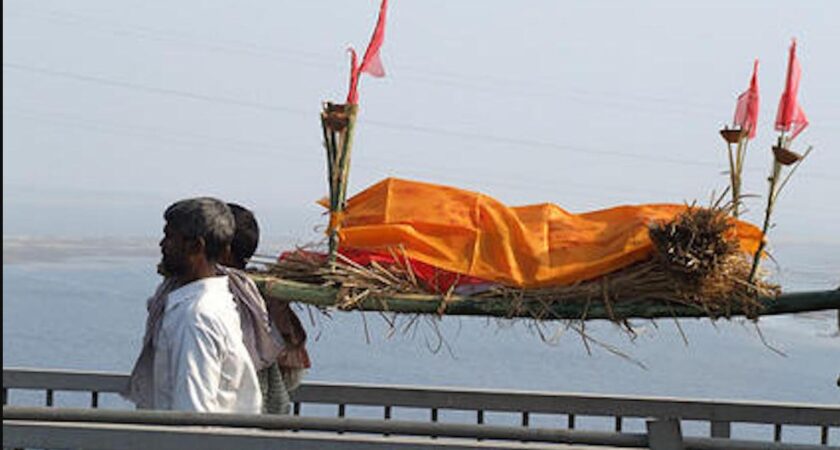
x=170, y=230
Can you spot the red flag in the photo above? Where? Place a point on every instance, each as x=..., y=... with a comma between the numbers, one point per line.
x=370, y=62
x=746, y=112
x=791, y=116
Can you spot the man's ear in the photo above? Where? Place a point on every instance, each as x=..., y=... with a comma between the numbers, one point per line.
x=202, y=245
x=196, y=246
x=226, y=258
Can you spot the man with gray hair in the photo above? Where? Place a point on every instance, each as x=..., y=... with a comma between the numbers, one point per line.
x=197, y=359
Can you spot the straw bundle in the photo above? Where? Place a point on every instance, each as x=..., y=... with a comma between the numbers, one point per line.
x=696, y=264
x=356, y=282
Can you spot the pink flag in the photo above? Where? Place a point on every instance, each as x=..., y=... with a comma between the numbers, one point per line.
x=791, y=116
x=370, y=62
x=746, y=112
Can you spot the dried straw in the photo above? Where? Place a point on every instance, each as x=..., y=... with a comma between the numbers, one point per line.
x=696, y=262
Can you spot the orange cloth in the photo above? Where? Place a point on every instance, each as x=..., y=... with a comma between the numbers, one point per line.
x=336, y=219
x=528, y=246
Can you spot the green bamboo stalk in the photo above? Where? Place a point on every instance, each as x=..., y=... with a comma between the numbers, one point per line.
x=329, y=147
x=736, y=160
x=768, y=211
x=773, y=195
x=739, y=162
x=732, y=178
x=335, y=176
x=740, y=152
x=275, y=289
x=347, y=147
x=332, y=153
x=340, y=175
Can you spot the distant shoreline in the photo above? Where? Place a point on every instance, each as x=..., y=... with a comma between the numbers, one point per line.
x=31, y=249
x=19, y=250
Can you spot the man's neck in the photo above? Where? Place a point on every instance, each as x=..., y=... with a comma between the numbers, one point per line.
x=201, y=270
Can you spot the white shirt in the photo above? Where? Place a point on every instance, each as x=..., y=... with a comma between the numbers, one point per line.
x=200, y=360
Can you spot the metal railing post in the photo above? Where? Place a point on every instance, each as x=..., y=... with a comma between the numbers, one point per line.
x=664, y=434
x=720, y=429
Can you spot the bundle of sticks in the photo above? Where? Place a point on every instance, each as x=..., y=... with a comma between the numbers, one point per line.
x=696, y=262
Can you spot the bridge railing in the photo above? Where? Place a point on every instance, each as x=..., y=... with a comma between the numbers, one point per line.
x=720, y=415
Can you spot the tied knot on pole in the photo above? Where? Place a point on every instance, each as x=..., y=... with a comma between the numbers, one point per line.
x=336, y=220
x=336, y=117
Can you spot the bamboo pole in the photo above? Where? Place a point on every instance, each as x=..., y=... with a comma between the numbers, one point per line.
x=276, y=289
x=768, y=212
x=733, y=182
x=344, y=160
x=337, y=123
x=781, y=157
x=736, y=162
x=740, y=153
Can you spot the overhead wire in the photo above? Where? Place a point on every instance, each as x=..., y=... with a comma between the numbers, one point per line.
x=260, y=149
x=491, y=83
x=435, y=131
x=475, y=82
x=269, y=149
x=314, y=59
x=319, y=59
x=484, y=82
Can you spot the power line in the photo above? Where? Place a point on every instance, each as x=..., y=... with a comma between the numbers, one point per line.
x=172, y=36
x=151, y=132
x=491, y=84
x=240, y=147
x=260, y=148
x=384, y=124
x=474, y=82
x=155, y=90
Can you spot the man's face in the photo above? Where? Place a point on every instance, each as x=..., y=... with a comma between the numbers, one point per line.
x=174, y=253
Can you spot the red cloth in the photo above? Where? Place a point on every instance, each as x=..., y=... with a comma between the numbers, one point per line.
x=429, y=277
x=791, y=116
x=352, y=93
x=746, y=112
x=371, y=63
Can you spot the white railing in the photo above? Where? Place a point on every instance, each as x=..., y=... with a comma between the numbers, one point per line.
x=666, y=412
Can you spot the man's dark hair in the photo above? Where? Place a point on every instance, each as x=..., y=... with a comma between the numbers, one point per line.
x=247, y=235
x=206, y=218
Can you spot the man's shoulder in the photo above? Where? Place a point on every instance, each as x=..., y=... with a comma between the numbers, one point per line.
x=238, y=276
x=213, y=305
x=199, y=318
x=210, y=302
x=241, y=285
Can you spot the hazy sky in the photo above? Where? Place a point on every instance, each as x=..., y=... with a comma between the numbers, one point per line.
x=113, y=110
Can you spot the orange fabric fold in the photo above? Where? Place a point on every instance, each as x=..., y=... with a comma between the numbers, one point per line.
x=336, y=220
x=528, y=246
